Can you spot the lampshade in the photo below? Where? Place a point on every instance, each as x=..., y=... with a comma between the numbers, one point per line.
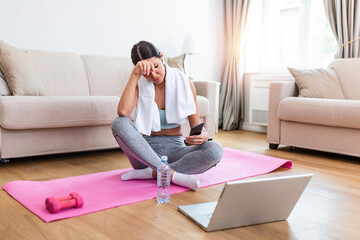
x=190, y=45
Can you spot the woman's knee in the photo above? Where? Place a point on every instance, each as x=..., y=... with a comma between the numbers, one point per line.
x=120, y=123
x=214, y=151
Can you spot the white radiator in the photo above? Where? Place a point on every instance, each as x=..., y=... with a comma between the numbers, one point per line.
x=259, y=96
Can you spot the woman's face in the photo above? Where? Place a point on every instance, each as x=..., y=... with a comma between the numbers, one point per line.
x=157, y=77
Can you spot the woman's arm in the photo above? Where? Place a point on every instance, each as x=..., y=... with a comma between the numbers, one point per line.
x=194, y=120
x=129, y=98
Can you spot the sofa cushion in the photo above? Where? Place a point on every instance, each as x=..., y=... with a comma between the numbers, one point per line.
x=107, y=75
x=63, y=74
x=4, y=89
x=327, y=112
x=19, y=72
x=31, y=112
x=348, y=72
x=176, y=62
x=317, y=83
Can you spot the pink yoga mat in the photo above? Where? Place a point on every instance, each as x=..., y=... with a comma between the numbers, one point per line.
x=106, y=190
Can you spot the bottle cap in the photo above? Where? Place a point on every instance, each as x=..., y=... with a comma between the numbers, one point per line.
x=164, y=158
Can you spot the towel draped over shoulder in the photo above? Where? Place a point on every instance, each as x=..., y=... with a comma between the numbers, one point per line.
x=179, y=102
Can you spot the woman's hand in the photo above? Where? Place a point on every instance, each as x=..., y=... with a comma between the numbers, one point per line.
x=198, y=139
x=144, y=67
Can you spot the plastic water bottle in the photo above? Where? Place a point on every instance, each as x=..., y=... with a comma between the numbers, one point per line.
x=163, y=181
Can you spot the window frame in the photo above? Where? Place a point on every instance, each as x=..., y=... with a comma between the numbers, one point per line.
x=264, y=63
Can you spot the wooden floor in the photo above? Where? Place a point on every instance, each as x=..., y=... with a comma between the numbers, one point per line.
x=328, y=209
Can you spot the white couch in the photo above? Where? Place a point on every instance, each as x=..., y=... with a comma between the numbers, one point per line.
x=331, y=125
x=82, y=93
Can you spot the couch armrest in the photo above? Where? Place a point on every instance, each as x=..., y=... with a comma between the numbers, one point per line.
x=210, y=90
x=278, y=91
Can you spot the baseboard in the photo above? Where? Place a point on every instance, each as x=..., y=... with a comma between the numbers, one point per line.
x=254, y=128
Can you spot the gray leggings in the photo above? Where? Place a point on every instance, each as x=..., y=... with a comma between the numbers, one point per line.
x=146, y=151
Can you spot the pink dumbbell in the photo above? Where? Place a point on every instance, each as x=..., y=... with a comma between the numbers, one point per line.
x=54, y=205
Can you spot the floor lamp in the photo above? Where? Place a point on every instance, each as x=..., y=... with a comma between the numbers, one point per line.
x=190, y=47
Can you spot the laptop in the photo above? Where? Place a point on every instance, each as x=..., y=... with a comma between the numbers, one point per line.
x=266, y=198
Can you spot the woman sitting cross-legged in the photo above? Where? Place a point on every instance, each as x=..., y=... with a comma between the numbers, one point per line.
x=163, y=99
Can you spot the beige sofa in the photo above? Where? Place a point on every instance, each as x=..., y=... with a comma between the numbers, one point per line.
x=82, y=93
x=330, y=125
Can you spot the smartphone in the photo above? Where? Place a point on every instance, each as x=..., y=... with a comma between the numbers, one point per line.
x=197, y=129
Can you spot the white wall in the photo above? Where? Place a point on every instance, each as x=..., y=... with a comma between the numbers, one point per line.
x=111, y=27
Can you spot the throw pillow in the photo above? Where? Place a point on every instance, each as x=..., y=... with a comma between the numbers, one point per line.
x=4, y=89
x=176, y=62
x=317, y=83
x=19, y=72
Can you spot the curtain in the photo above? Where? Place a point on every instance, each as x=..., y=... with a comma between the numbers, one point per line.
x=231, y=110
x=344, y=17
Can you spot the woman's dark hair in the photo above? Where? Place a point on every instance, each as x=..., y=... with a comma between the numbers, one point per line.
x=143, y=50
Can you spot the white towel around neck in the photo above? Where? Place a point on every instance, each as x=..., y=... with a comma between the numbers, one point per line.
x=179, y=102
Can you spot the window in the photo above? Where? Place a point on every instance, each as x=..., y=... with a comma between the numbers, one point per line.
x=284, y=33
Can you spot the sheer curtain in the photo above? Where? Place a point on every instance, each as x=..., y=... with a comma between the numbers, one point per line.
x=231, y=94
x=344, y=17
